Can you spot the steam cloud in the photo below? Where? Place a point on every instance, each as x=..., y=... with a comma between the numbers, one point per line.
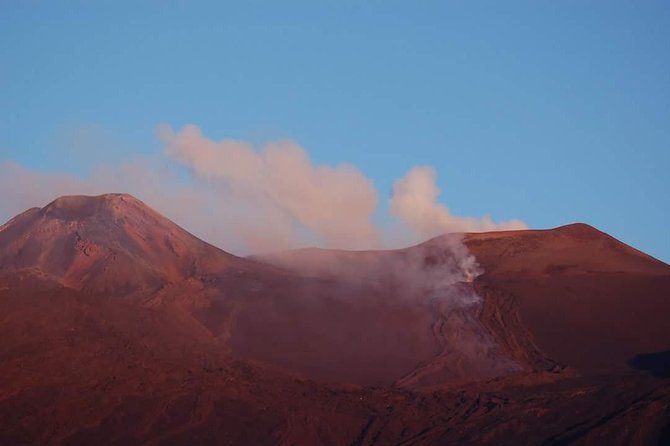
x=333, y=203
x=415, y=202
x=271, y=198
x=248, y=199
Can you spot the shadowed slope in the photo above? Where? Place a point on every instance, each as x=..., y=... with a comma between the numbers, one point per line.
x=419, y=297
x=371, y=329
x=216, y=349
x=588, y=300
x=571, y=294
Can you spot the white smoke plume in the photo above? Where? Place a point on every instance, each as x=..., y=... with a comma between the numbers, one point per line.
x=249, y=199
x=435, y=264
x=414, y=201
x=333, y=203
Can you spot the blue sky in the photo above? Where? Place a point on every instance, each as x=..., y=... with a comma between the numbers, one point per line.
x=550, y=112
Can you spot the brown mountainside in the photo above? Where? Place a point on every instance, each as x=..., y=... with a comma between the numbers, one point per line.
x=111, y=244
x=119, y=327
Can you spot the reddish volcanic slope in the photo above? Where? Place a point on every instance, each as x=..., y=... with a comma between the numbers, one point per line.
x=571, y=294
x=112, y=244
x=589, y=300
x=119, y=327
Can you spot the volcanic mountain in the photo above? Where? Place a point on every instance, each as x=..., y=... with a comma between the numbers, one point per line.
x=112, y=244
x=119, y=327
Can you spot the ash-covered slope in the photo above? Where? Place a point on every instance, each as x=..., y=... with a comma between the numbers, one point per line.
x=410, y=319
x=429, y=289
x=118, y=327
x=456, y=308
x=571, y=296
x=111, y=244
x=567, y=250
x=587, y=299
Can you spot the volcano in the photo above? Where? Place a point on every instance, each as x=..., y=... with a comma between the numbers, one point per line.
x=119, y=327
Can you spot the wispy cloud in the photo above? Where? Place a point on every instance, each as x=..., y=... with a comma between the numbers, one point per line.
x=245, y=198
x=415, y=201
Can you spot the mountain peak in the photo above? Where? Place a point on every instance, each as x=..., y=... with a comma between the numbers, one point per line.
x=580, y=230
x=75, y=201
x=575, y=248
x=106, y=243
x=83, y=206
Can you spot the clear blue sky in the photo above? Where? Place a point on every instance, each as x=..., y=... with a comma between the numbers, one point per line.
x=547, y=111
